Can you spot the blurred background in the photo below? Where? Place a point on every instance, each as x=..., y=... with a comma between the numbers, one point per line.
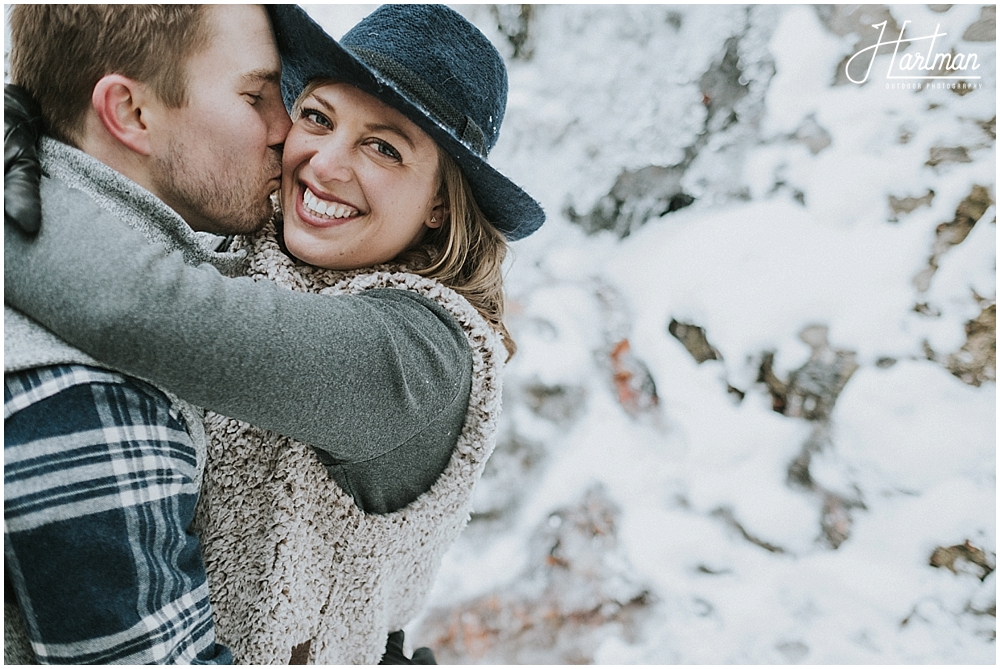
x=753, y=414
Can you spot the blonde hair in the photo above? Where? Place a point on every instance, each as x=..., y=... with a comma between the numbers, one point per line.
x=466, y=252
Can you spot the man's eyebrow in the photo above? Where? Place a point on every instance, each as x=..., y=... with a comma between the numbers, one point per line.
x=261, y=75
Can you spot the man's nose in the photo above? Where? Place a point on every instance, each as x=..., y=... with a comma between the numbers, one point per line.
x=278, y=125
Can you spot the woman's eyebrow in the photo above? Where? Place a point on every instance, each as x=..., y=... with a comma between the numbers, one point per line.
x=394, y=129
x=323, y=103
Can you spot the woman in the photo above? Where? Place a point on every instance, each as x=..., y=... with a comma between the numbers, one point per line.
x=389, y=207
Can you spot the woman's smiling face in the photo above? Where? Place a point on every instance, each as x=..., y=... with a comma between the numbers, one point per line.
x=360, y=180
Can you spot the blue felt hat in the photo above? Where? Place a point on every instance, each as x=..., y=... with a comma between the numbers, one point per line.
x=432, y=65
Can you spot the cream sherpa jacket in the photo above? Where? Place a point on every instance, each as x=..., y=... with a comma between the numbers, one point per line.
x=293, y=563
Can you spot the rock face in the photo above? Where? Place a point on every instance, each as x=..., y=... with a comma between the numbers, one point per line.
x=985, y=29
x=637, y=196
x=963, y=557
x=694, y=340
x=577, y=589
x=731, y=92
x=906, y=205
x=812, y=390
x=976, y=362
x=810, y=394
x=633, y=382
x=857, y=20
x=514, y=23
x=954, y=232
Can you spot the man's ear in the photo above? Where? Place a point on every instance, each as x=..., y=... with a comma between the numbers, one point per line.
x=118, y=102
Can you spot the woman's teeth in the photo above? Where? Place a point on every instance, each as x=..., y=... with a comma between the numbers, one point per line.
x=327, y=209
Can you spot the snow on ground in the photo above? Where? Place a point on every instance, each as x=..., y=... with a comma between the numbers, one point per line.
x=791, y=226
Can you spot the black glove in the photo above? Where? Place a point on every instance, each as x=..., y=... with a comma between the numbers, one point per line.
x=22, y=124
x=394, y=652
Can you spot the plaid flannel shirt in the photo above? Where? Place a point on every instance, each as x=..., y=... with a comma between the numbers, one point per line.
x=99, y=494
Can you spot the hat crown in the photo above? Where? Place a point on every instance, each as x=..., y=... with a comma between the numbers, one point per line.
x=442, y=62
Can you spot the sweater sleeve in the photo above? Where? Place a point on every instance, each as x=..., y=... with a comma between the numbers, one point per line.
x=353, y=375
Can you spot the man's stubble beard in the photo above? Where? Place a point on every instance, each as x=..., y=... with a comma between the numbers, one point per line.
x=232, y=202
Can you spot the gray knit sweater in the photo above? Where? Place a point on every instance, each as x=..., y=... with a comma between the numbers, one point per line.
x=86, y=191
x=378, y=381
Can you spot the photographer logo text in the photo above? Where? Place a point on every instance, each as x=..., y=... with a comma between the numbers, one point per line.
x=950, y=68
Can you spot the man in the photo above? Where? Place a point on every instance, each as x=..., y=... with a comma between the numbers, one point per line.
x=169, y=118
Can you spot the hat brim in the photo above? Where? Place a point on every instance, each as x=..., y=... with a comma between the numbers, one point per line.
x=308, y=52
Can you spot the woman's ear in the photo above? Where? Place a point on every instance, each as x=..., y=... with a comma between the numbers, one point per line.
x=439, y=214
x=118, y=102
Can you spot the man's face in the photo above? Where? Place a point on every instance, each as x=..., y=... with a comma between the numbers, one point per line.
x=220, y=158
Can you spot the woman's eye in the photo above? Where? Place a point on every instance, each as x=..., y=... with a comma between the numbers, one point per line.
x=314, y=116
x=255, y=98
x=386, y=149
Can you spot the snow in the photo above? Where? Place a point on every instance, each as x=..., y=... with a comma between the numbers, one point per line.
x=971, y=266
x=612, y=88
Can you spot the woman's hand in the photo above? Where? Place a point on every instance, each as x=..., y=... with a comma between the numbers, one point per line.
x=22, y=124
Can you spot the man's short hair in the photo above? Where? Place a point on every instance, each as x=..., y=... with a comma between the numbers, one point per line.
x=59, y=53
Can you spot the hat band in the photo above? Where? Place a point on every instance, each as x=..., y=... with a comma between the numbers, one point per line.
x=416, y=89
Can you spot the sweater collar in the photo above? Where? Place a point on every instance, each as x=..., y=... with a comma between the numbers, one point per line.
x=134, y=205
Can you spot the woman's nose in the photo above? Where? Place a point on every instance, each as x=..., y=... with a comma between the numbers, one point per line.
x=332, y=161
